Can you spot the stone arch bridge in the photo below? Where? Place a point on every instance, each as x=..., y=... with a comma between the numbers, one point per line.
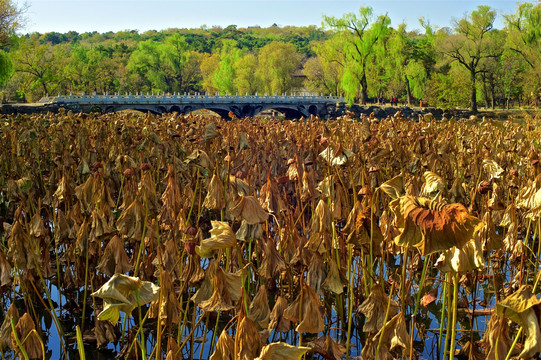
x=240, y=106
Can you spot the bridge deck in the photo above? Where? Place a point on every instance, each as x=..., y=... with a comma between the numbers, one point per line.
x=186, y=99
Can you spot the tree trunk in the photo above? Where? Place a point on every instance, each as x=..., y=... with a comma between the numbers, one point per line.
x=408, y=90
x=364, y=93
x=473, y=98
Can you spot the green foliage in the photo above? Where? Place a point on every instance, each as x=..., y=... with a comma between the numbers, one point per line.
x=6, y=67
x=278, y=62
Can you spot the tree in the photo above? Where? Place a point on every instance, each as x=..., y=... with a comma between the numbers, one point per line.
x=246, y=81
x=278, y=61
x=324, y=72
x=473, y=44
x=524, y=39
x=10, y=16
x=360, y=41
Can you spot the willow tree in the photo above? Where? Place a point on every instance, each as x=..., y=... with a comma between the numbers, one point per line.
x=472, y=44
x=10, y=16
x=360, y=35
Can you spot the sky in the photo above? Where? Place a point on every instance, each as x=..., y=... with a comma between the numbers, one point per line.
x=142, y=15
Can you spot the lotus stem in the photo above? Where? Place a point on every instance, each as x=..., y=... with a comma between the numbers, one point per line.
x=514, y=343
x=455, y=305
x=413, y=316
x=442, y=317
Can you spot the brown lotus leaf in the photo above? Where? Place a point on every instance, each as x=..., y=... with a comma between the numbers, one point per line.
x=192, y=272
x=147, y=193
x=529, y=197
x=259, y=310
x=308, y=191
x=171, y=197
x=131, y=221
x=105, y=332
x=173, y=350
x=215, y=199
x=497, y=333
x=433, y=184
x=167, y=307
x=496, y=201
x=492, y=169
x=6, y=329
x=335, y=280
x=221, y=237
x=307, y=311
x=471, y=351
x=114, y=258
x=220, y=299
x=272, y=262
x=366, y=230
x=85, y=192
x=129, y=191
x=120, y=294
x=243, y=142
x=82, y=238
x=468, y=257
x=432, y=226
x=5, y=270
x=292, y=172
x=200, y=159
x=270, y=198
x=225, y=347
x=488, y=235
x=394, y=188
x=167, y=258
x=247, y=231
x=64, y=192
x=282, y=351
x=20, y=250
x=247, y=341
x=101, y=222
x=331, y=189
x=249, y=209
x=429, y=297
x=37, y=228
x=338, y=158
x=210, y=132
x=522, y=307
x=328, y=348
x=316, y=273
x=205, y=290
x=374, y=308
x=277, y=320
x=238, y=187
x=234, y=281
x=26, y=331
x=394, y=334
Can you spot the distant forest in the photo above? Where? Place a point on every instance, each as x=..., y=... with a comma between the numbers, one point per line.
x=361, y=56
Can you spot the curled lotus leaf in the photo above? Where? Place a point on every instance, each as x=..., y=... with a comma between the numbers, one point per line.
x=124, y=293
x=221, y=237
x=282, y=351
x=522, y=307
x=432, y=226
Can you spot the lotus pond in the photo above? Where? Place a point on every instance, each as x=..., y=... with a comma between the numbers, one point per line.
x=136, y=236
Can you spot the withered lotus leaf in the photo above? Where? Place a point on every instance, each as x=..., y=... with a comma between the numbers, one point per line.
x=215, y=199
x=85, y=192
x=220, y=299
x=131, y=220
x=497, y=334
x=6, y=329
x=167, y=307
x=334, y=282
x=374, y=308
x=328, y=348
x=168, y=259
x=270, y=197
x=277, y=320
x=394, y=188
x=522, y=307
x=21, y=252
x=466, y=258
x=225, y=347
x=307, y=311
x=192, y=272
x=119, y=294
x=200, y=159
x=282, y=351
x=493, y=170
x=309, y=191
x=316, y=273
x=394, y=334
x=114, y=258
x=211, y=132
x=259, y=310
x=5, y=270
x=105, y=332
x=173, y=350
x=247, y=231
x=433, y=184
x=221, y=237
x=26, y=330
x=529, y=197
x=247, y=341
x=249, y=209
x=432, y=226
x=234, y=282
x=272, y=262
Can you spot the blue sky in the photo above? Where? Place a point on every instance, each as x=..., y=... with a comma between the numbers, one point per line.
x=114, y=15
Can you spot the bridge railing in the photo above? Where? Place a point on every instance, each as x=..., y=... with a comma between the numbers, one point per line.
x=175, y=98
